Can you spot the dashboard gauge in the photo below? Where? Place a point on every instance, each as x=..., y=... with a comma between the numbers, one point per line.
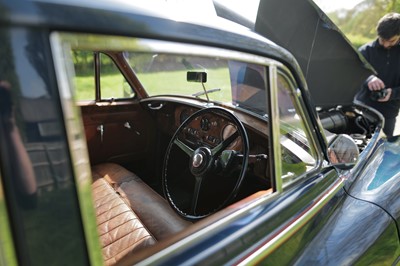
x=205, y=124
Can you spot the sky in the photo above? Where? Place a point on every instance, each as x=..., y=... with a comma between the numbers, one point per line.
x=248, y=8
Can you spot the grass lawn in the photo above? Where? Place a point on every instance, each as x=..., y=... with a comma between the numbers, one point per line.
x=157, y=83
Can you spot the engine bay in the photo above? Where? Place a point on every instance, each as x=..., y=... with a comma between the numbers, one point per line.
x=355, y=121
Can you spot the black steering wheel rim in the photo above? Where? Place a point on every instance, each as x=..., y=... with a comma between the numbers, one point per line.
x=202, y=159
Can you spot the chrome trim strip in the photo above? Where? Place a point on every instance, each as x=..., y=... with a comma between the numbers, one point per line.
x=276, y=143
x=7, y=252
x=118, y=43
x=77, y=146
x=157, y=258
x=273, y=242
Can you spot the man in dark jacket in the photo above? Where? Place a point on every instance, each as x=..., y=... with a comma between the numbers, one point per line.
x=382, y=91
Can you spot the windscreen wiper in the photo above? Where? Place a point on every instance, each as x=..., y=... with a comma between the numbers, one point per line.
x=197, y=94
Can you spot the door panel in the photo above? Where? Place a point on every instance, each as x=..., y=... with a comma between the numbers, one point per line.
x=119, y=133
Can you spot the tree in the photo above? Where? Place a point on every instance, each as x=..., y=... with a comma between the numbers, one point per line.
x=359, y=23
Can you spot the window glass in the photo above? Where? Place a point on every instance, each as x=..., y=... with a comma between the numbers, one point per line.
x=248, y=86
x=39, y=185
x=228, y=81
x=163, y=74
x=298, y=155
x=84, y=75
x=113, y=84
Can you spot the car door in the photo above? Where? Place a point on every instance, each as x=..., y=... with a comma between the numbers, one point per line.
x=313, y=220
x=42, y=217
x=111, y=112
x=307, y=189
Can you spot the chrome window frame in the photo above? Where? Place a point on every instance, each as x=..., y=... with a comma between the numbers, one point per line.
x=118, y=43
x=63, y=40
x=298, y=104
x=77, y=145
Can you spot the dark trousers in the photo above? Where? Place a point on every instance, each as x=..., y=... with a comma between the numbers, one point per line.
x=388, y=129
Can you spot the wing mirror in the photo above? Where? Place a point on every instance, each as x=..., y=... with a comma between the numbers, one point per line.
x=343, y=152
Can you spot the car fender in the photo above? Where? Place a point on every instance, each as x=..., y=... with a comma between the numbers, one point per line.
x=357, y=232
x=378, y=181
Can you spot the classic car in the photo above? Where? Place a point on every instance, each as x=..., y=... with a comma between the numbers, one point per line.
x=188, y=134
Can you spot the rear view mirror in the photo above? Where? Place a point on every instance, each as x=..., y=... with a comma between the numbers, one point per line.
x=195, y=76
x=343, y=152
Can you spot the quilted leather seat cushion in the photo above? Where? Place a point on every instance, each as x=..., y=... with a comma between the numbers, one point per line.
x=121, y=231
x=152, y=209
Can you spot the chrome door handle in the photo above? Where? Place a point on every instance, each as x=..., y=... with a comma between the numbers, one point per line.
x=128, y=126
x=158, y=107
x=100, y=128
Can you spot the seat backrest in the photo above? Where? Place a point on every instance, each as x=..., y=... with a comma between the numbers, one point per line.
x=121, y=231
x=130, y=215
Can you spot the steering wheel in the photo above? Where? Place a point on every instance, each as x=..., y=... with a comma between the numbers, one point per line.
x=200, y=178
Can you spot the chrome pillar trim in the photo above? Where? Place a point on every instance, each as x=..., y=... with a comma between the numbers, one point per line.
x=274, y=116
x=77, y=145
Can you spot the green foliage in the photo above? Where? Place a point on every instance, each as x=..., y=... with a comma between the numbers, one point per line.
x=359, y=23
x=394, y=6
x=358, y=40
x=84, y=62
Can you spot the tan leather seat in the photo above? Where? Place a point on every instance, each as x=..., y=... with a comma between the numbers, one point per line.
x=120, y=230
x=130, y=215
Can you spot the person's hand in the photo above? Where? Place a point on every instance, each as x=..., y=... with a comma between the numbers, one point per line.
x=375, y=84
x=387, y=97
x=5, y=84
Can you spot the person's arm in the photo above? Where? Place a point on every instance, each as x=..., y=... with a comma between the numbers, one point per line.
x=373, y=83
x=23, y=173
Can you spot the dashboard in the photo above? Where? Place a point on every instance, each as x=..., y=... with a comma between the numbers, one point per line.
x=210, y=129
